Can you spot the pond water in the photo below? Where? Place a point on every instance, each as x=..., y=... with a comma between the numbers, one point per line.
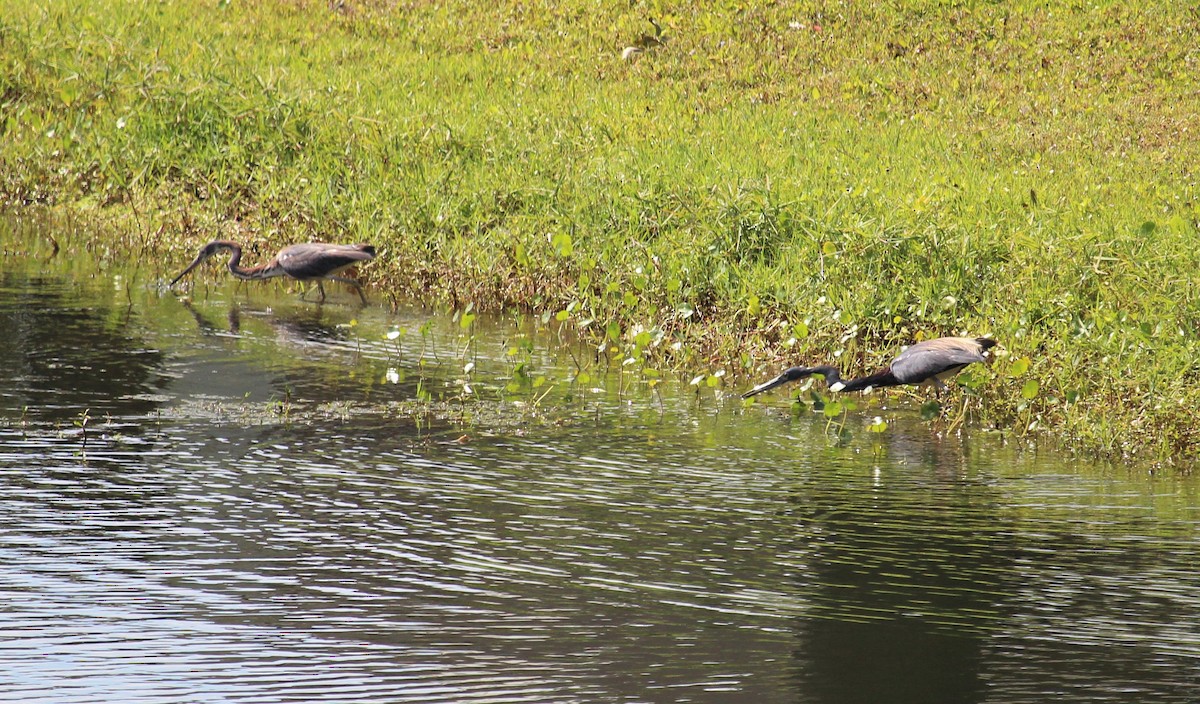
x=237, y=496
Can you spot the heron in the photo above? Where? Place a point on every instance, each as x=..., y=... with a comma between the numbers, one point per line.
x=928, y=362
x=312, y=261
x=645, y=42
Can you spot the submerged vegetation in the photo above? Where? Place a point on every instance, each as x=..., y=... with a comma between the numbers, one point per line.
x=767, y=183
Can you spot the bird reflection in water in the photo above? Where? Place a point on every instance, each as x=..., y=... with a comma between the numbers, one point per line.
x=300, y=327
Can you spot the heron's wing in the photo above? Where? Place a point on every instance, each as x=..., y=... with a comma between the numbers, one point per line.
x=316, y=260
x=925, y=360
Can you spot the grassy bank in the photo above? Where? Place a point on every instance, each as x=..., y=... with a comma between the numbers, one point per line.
x=775, y=183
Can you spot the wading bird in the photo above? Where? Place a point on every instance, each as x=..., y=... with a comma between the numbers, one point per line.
x=645, y=42
x=928, y=362
x=313, y=261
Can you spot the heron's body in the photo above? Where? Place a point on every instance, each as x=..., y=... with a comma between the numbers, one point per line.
x=312, y=261
x=929, y=362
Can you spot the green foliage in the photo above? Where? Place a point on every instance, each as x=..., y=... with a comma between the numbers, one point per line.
x=845, y=179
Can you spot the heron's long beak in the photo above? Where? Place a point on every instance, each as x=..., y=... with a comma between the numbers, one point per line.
x=199, y=260
x=767, y=385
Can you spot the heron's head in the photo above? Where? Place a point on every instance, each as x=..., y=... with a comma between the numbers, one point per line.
x=788, y=375
x=206, y=251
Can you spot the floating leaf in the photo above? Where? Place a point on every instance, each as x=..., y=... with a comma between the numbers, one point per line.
x=800, y=330
x=1029, y=390
x=465, y=321
x=829, y=249
x=833, y=409
x=1019, y=367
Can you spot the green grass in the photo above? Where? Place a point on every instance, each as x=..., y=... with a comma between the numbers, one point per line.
x=779, y=182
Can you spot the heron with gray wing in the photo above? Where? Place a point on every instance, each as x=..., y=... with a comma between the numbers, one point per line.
x=312, y=261
x=928, y=362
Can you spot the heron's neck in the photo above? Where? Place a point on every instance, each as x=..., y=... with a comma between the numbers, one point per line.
x=831, y=374
x=883, y=377
x=235, y=267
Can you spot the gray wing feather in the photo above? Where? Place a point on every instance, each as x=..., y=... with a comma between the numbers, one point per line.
x=318, y=260
x=927, y=359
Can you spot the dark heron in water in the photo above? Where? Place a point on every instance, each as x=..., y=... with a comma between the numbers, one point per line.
x=929, y=362
x=313, y=261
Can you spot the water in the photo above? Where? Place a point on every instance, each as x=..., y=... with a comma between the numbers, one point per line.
x=233, y=499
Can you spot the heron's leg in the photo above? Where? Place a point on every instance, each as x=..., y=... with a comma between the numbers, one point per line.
x=353, y=283
x=322, y=290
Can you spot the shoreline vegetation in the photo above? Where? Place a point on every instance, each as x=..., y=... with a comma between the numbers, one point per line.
x=761, y=185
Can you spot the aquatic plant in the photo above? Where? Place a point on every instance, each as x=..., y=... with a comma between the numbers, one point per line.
x=753, y=191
